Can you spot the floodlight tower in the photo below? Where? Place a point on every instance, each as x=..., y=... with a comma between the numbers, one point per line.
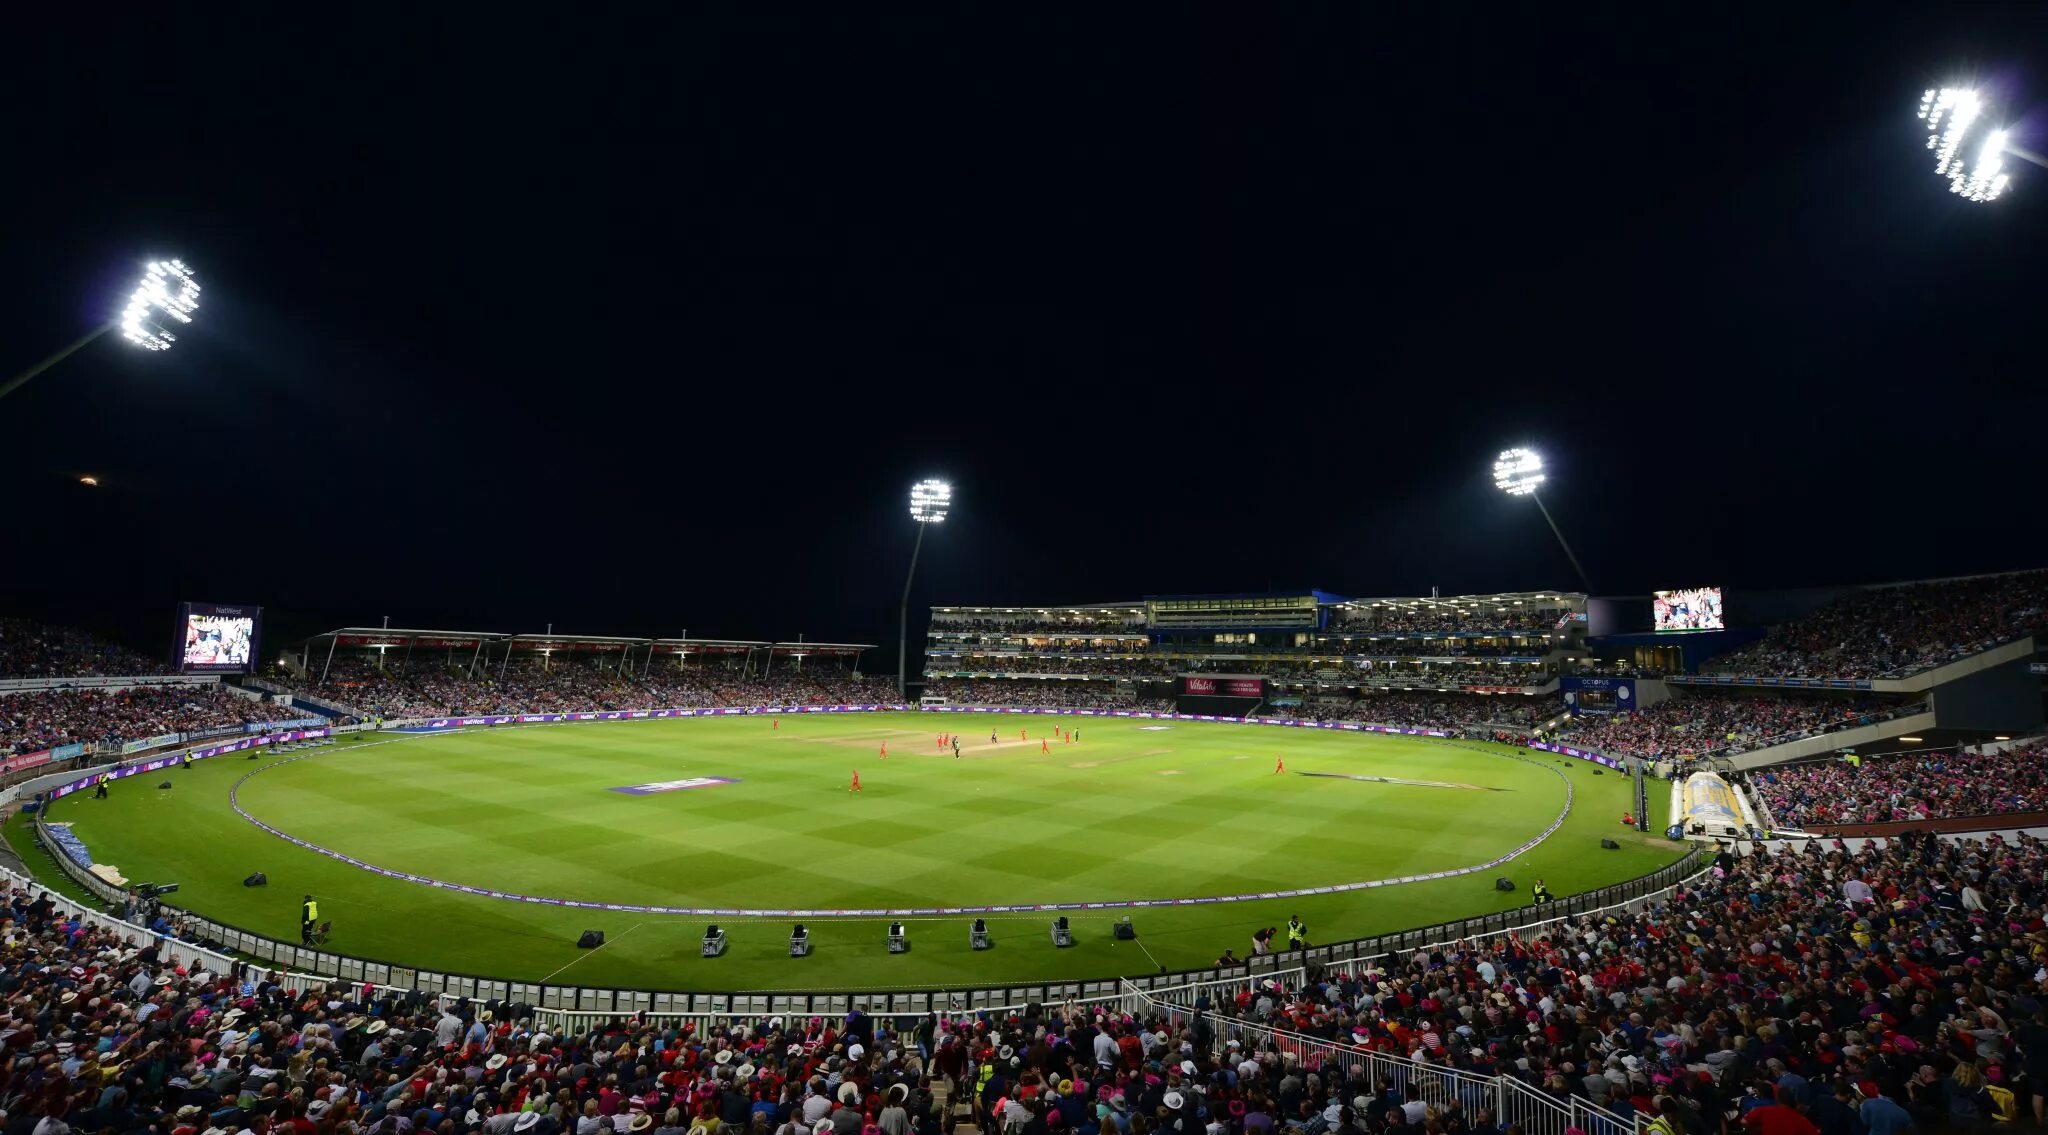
x=167, y=294
x=1518, y=472
x=930, y=500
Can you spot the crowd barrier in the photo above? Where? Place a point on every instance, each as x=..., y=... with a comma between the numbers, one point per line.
x=1512, y=1102
x=566, y=1002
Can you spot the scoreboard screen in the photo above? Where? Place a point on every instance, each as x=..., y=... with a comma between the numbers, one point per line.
x=1688, y=609
x=217, y=639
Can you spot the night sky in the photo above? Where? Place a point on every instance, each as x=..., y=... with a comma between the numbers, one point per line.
x=638, y=323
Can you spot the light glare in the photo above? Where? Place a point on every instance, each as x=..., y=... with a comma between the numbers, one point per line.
x=930, y=500
x=1517, y=472
x=167, y=290
x=1950, y=114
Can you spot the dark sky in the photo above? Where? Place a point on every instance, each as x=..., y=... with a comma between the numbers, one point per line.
x=637, y=323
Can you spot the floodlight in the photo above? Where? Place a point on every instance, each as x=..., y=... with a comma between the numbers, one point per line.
x=1976, y=173
x=1517, y=471
x=167, y=293
x=929, y=500
x=166, y=297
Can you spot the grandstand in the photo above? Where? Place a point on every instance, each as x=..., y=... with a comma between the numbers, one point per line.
x=381, y=673
x=1465, y=660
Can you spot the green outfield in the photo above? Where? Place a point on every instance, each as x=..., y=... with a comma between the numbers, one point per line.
x=747, y=813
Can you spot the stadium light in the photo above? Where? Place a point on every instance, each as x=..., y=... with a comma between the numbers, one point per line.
x=930, y=500
x=167, y=294
x=1973, y=163
x=1518, y=472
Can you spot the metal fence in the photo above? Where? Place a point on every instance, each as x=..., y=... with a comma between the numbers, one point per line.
x=1511, y=1101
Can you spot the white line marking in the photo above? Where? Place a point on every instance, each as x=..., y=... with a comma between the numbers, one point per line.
x=608, y=941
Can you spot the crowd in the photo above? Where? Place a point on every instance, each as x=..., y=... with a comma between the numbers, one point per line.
x=45, y=719
x=433, y=689
x=1811, y=990
x=1041, y=695
x=1912, y=786
x=1033, y=644
x=1412, y=620
x=1129, y=621
x=1889, y=632
x=1405, y=708
x=1728, y=721
x=1608, y=668
x=1020, y=663
x=30, y=649
x=1426, y=709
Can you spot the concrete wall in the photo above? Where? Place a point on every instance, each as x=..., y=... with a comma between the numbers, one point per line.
x=1829, y=742
x=1995, y=698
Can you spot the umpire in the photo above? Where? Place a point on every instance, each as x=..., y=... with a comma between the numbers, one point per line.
x=309, y=919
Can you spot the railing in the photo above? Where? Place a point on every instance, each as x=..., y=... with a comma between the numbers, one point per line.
x=1510, y=1100
x=98, y=682
x=578, y=1002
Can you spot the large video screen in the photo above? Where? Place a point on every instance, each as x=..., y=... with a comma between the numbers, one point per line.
x=1688, y=609
x=217, y=639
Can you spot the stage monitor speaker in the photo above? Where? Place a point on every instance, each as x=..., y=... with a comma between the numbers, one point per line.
x=591, y=940
x=1503, y=884
x=1610, y=845
x=259, y=879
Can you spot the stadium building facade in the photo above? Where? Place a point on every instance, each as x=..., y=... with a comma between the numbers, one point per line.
x=1303, y=651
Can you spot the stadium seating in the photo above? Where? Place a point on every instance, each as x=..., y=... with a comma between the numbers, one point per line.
x=30, y=649
x=44, y=719
x=1047, y=695
x=1693, y=1007
x=1430, y=620
x=434, y=689
x=1701, y=1005
x=1725, y=722
x=1914, y=786
x=1891, y=632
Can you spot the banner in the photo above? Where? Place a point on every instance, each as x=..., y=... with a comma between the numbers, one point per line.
x=170, y=759
x=1226, y=687
x=20, y=761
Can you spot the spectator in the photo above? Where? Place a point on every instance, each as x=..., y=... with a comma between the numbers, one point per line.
x=1702, y=722
x=1910, y=786
x=43, y=719
x=1890, y=632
